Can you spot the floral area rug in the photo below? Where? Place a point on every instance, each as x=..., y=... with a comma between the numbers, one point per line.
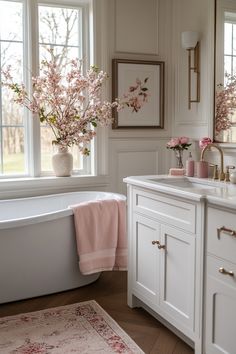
x=83, y=328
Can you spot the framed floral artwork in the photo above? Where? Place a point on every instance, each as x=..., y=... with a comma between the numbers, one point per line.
x=139, y=85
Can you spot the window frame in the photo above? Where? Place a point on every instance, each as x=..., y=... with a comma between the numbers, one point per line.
x=31, y=61
x=232, y=21
x=24, y=122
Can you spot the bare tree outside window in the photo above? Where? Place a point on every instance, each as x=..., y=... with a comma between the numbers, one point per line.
x=59, y=39
x=60, y=29
x=12, y=129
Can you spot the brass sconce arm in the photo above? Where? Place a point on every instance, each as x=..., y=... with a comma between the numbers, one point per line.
x=191, y=43
x=196, y=70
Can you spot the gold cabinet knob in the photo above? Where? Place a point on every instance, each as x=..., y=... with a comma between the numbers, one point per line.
x=224, y=271
x=161, y=246
x=155, y=242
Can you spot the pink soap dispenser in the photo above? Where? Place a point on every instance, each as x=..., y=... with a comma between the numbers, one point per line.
x=190, y=166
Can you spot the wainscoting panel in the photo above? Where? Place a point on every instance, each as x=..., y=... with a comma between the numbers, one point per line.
x=136, y=26
x=136, y=157
x=196, y=121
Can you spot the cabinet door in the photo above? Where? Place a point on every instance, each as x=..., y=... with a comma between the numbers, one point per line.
x=178, y=276
x=220, y=308
x=145, y=256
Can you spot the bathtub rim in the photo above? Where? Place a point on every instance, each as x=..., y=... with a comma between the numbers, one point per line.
x=38, y=218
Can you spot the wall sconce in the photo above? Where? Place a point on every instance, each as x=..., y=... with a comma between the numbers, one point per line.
x=190, y=41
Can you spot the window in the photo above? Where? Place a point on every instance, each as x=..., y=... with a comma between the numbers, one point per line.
x=26, y=32
x=230, y=64
x=229, y=44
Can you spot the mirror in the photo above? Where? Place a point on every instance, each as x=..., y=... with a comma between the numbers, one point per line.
x=225, y=71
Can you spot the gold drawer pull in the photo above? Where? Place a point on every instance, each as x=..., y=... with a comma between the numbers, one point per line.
x=224, y=271
x=226, y=230
x=155, y=242
x=161, y=246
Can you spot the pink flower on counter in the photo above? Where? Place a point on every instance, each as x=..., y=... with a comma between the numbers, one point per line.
x=181, y=143
x=173, y=143
x=204, y=141
x=184, y=140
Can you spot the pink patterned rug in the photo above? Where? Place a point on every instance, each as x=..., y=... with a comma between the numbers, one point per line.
x=83, y=328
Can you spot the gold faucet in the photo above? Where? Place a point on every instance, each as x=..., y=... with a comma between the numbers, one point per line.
x=207, y=147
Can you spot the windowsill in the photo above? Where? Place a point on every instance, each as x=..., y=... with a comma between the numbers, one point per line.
x=32, y=186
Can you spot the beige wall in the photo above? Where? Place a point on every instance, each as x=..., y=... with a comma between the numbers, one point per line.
x=140, y=30
x=193, y=15
x=151, y=30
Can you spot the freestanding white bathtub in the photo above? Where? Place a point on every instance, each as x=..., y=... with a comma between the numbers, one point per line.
x=37, y=245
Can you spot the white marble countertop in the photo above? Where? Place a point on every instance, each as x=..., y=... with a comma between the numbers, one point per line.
x=214, y=192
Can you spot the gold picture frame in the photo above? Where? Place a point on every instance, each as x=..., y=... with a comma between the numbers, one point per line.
x=149, y=75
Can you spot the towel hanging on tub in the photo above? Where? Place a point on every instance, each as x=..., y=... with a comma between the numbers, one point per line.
x=101, y=237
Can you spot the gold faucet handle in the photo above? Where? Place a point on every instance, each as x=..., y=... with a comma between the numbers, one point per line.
x=229, y=167
x=215, y=171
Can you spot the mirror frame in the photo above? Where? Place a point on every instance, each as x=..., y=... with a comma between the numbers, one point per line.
x=214, y=80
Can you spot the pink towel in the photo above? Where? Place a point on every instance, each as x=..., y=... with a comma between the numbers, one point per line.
x=101, y=235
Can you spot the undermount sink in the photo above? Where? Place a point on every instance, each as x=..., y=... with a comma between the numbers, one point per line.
x=186, y=183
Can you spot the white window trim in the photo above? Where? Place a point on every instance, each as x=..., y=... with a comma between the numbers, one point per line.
x=99, y=178
x=25, y=187
x=31, y=55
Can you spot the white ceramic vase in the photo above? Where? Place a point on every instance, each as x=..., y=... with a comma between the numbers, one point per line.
x=62, y=162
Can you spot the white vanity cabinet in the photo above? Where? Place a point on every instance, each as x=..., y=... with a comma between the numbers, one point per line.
x=177, y=278
x=146, y=259
x=165, y=250
x=220, y=292
x=182, y=257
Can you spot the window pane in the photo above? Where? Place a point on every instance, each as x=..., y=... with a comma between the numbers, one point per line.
x=13, y=150
x=12, y=131
x=228, y=38
x=234, y=39
x=1, y=152
x=11, y=21
x=64, y=54
x=12, y=54
x=60, y=29
x=77, y=158
x=233, y=117
x=47, y=148
x=234, y=66
x=228, y=65
x=12, y=114
x=58, y=25
x=233, y=134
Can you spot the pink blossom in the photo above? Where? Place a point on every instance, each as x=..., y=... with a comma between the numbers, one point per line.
x=173, y=142
x=72, y=105
x=225, y=104
x=180, y=143
x=136, y=97
x=184, y=140
x=204, y=141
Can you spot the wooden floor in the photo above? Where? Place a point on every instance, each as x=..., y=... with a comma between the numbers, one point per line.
x=110, y=292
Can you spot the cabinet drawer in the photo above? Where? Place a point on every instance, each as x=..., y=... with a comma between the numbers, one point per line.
x=176, y=212
x=218, y=268
x=220, y=337
x=219, y=242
